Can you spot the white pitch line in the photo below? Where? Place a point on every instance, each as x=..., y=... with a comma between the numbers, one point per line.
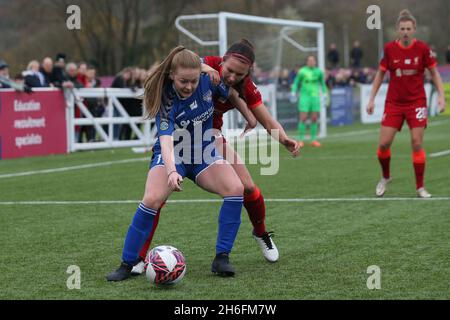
x=439, y=154
x=108, y=163
x=187, y=201
x=63, y=169
x=369, y=131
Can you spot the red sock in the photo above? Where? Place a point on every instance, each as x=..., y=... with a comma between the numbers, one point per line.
x=384, y=157
x=419, y=159
x=256, y=209
x=143, y=252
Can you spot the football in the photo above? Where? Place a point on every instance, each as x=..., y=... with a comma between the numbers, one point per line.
x=165, y=265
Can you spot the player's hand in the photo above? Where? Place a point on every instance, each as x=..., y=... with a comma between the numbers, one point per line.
x=174, y=181
x=248, y=128
x=212, y=73
x=292, y=97
x=441, y=104
x=293, y=146
x=370, y=107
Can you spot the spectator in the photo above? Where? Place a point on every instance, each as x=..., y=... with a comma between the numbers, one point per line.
x=293, y=74
x=357, y=77
x=33, y=77
x=333, y=56
x=132, y=106
x=47, y=71
x=330, y=80
x=447, y=55
x=283, y=80
x=71, y=72
x=94, y=105
x=356, y=55
x=4, y=73
x=123, y=79
x=60, y=77
x=81, y=76
x=19, y=79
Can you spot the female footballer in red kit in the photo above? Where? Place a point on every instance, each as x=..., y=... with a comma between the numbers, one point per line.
x=234, y=68
x=406, y=60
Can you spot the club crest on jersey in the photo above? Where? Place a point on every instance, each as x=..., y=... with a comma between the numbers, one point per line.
x=416, y=61
x=164, y=125
x=193, y=105
x=207, y=96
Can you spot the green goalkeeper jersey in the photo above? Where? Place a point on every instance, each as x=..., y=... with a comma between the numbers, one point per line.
x=311, y=79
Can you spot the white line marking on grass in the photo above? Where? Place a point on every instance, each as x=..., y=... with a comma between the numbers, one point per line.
x=63, y=169
x=187, y=201
x=439, y=154
x=358, y=132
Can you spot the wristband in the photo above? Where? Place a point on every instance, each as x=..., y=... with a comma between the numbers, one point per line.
x=171, y=173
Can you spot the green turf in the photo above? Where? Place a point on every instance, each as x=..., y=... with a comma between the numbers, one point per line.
x=325, y=246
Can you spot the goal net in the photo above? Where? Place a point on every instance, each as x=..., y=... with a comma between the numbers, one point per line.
x=280, y=45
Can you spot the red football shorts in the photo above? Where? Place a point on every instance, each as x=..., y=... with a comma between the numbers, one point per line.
x=394, y=116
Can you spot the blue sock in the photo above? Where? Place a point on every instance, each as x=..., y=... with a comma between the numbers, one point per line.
x=229, y=222
x=137, y=233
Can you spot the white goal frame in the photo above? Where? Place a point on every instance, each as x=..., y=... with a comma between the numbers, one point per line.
x=222, y=42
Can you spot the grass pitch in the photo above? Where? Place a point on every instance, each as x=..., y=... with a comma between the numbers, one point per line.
x=328, y=233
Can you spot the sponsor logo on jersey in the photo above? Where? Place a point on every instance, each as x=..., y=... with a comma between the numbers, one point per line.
x=396, y=60
x=409, y=72
x=183, y=124
x=398, y=72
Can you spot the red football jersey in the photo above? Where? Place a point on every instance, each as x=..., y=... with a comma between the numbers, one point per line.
x=251, y=93
x=406, y=66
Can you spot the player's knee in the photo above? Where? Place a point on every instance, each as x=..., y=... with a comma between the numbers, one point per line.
x=151, y=201
x=384, y=146
x=249, y=187
x=416, y=145
x=233, y=189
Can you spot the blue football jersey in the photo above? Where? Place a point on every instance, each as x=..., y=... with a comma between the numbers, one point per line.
x=190, y=117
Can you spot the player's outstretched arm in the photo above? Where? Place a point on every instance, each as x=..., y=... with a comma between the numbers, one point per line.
x=244, y=110
x=274, y=128
x=437, y=80
x=375, y=87
x=174, y=179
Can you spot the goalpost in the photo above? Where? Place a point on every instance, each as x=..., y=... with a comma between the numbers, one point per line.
x=280, y=45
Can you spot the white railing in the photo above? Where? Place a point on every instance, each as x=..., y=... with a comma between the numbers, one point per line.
x=107, y=125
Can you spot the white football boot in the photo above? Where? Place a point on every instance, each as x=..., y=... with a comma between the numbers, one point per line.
x=381, y=186
x=138, y=268
x=268, y=247
x=422, y=193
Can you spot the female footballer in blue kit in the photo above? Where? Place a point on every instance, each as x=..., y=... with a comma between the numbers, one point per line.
x=179, y=96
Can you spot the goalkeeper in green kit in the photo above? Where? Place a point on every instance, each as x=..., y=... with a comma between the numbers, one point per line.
x=310, y=79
